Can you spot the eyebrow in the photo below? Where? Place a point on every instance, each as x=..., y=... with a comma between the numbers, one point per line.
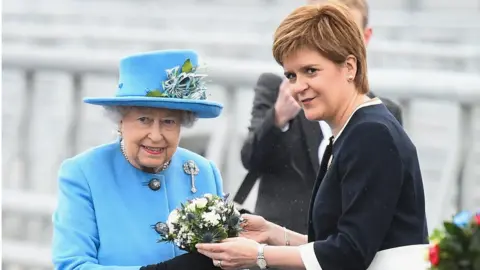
x=144, y=111
x=303, y=68
x=171, y=115
x=150, y=111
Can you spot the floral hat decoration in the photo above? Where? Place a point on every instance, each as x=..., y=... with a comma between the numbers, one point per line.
x=162, y=79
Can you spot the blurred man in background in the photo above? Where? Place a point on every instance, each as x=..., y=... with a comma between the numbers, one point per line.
x=284, y=149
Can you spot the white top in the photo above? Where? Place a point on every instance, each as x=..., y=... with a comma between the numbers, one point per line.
x=407, y=257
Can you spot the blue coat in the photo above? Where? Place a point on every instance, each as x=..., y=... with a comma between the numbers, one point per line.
x=106, y=209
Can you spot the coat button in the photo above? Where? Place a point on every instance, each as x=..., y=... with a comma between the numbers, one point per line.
x=154, y=184
x=161, y=228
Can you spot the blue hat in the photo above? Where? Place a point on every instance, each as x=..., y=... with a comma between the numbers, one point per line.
x=162, y=79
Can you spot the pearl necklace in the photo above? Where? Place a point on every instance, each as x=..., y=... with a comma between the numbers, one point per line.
x=162, y=168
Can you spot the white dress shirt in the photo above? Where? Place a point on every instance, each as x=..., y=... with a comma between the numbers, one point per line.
x=327, y=133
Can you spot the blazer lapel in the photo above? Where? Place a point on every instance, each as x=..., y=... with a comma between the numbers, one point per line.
x=313, y=138
x=318, y=181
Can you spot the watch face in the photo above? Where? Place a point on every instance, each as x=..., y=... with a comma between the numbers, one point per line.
x=262, y=263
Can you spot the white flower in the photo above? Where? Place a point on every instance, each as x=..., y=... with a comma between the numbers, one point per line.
x=220, y=207
x=172, y=219
x=201, y=203
x=211, y=217
x=208, y=196
x=191, y=207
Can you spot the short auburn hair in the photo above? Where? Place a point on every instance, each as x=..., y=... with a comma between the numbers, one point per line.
x=327, y=28
x=360, y=5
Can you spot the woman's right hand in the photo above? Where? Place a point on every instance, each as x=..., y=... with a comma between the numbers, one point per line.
x=257, y=228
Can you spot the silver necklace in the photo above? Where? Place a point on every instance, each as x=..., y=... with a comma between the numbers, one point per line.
x=162, y=168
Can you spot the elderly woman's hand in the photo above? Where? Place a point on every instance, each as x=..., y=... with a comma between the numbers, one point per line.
x=232, y=253
x=256, y=228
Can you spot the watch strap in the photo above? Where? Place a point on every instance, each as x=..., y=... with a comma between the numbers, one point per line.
x=261, y=256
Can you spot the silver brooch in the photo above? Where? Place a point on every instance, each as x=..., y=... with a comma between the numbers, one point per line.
x=191, y=168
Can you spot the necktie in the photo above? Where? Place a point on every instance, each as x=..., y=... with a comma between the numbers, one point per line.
x=326, y=158
x=324, y=165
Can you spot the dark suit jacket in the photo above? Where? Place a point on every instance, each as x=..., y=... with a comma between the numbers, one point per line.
x=371, y=197
x=286, y=162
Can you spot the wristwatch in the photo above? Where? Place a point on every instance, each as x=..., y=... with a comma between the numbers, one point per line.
x=261, y=263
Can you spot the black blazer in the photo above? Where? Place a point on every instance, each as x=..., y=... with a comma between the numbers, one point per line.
x=286, y=162
x=371, y=196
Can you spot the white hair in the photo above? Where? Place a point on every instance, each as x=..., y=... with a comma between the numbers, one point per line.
x=116, y=114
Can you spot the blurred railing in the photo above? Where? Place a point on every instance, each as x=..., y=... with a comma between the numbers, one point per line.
x=31, y=208
x=245, y=45
x=157, y=15
x=423, y=39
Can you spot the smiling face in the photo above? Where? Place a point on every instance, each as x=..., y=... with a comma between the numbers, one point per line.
x=321, y=86
x=323, y=56
x=150, y=136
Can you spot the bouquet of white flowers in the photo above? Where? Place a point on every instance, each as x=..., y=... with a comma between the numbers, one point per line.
x=208, y=219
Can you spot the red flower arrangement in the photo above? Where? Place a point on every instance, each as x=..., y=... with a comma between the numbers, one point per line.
x=457, y=245
x=434, y=254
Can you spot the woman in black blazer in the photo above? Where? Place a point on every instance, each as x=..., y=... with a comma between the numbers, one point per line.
x=367, y=208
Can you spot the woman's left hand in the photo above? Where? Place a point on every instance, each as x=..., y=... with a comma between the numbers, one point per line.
x=231, y=253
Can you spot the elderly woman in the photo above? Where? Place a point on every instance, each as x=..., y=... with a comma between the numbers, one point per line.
x=368, y=207
x=111, y=197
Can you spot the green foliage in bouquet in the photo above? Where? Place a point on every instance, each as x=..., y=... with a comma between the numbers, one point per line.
x=208, y=219
x=457, y=245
